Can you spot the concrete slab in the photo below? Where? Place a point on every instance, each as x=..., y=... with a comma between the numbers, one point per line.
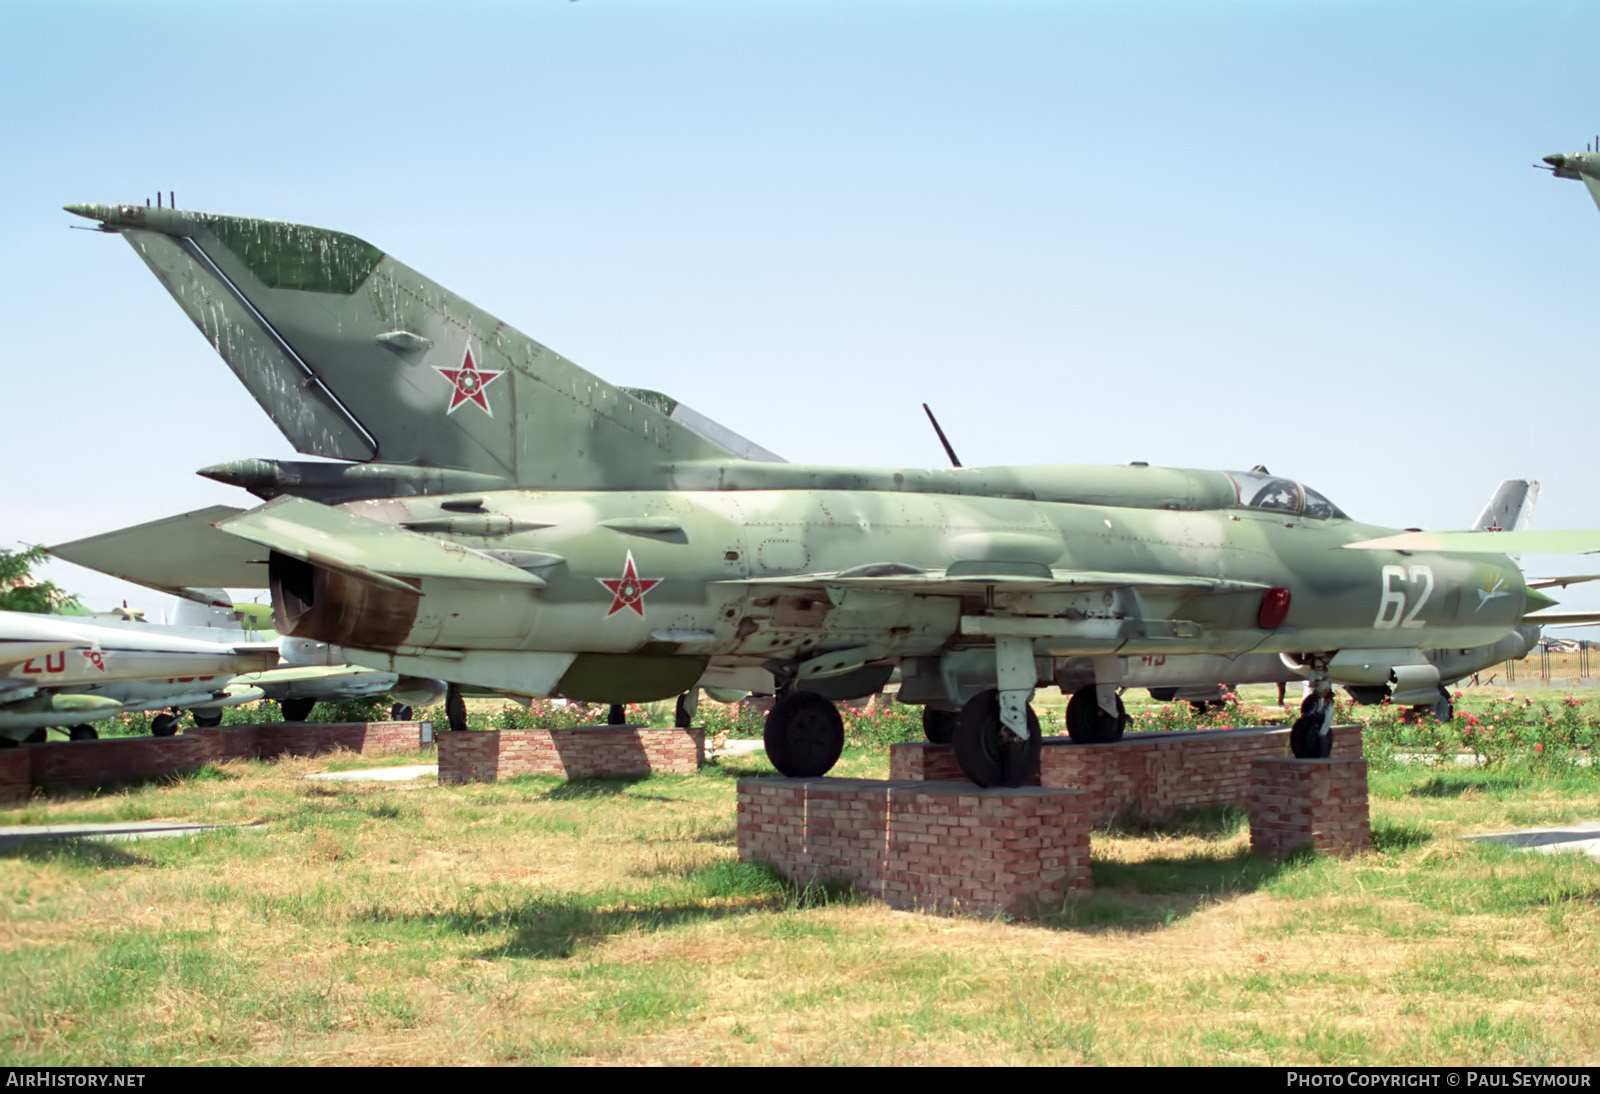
x=735, y=748
x=14, y=834
x=381, y=774
x=1583, y=838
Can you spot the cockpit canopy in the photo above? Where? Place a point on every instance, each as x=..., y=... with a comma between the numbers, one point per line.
x=1260, y=490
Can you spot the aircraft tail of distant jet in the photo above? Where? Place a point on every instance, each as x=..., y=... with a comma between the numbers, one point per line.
x=1511, y=507
x=358, y=357
x=1583, y=166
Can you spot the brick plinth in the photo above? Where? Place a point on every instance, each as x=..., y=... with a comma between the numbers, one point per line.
x=1320, y=804
x=936, y=846
x=16, y=778
x=924, y=761
x=1152, y=775
x=587, y=752
x=116, y=759
x=94, y=763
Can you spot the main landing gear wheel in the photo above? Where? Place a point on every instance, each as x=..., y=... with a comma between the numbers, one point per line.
x=37, y=737
x=616, y=715
x=683, y=710
x=400, y=712
x=207, y=719
x=938, y=725
x=455, y=708
x=988, y=752
x=1311, y=736
x=1441, y=710
x=163, y=725
x=83, y=733
x=1087, y=724
x=804, y=735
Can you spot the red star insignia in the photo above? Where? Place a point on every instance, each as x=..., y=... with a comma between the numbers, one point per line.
x=628, y=590
x=469, y=381
x=96, y=658
x=1494, y=526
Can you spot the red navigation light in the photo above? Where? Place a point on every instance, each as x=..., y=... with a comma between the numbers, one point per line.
x=1274, y=609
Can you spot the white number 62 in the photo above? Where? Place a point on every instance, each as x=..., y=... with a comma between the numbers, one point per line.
x=1392, y=608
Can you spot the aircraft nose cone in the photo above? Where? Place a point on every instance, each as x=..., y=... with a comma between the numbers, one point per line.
x=1536, y=601
x=88, y=209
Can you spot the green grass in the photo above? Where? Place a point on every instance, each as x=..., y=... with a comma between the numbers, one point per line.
x=610, y=921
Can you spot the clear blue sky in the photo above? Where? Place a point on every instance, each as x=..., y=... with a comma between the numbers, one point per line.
x=1203, y=234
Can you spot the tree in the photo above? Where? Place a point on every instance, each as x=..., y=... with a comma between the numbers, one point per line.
x=19, y=592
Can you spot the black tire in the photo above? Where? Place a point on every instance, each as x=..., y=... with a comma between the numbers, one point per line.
x=83, y=733
x=804, y=735
x=1442, y=709
x=683, y=710
x=938, y=725
x=207, y=719
x=1307, y=738
x=455, y=708
x=616, y=715
x=296, y=710
x=37, y=737
x=1087, y=724
x=164, y=725
x=988, y=753
x=400, y=712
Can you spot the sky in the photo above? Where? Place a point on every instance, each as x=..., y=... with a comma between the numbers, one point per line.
x=1203, y=234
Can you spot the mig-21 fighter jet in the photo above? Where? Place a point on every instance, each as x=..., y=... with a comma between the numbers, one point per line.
x=502, y=518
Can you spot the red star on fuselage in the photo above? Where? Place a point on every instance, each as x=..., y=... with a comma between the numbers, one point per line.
x=469, y=381
x=628, y=590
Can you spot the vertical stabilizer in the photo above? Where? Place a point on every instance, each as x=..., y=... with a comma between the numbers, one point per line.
x=356, y=356
x=1510, y=509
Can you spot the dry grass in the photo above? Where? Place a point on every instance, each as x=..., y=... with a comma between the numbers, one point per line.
x=537, y=921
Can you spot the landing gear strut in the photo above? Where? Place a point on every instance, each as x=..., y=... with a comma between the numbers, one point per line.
x=684, y=709
x=804, y=735
x=1311, y=736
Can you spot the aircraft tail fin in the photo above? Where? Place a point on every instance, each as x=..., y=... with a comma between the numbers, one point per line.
x=218, y=613
x=1510, y=509
x=356, y=356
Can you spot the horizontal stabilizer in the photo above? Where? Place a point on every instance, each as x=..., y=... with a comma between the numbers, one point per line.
x=1487, y=543
x=174, y=554
x=1561, y=619
x=1560, y=582
x=365, y=549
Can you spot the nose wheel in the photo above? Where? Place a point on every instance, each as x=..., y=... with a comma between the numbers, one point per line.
x=1311, y=736
x=988, y=752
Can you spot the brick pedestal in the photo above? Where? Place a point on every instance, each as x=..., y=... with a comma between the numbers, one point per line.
x=270, y=740
x=15, y=776
x=118, y=759
x=923, y=761
x=587, y=752
x=1151, y=775
x=1320, y=804
x=935, y=846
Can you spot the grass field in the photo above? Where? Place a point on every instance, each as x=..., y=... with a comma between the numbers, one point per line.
x=537, y=921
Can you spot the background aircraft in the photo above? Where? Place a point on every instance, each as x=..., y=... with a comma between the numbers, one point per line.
x=506, y=519
x=70, y=671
